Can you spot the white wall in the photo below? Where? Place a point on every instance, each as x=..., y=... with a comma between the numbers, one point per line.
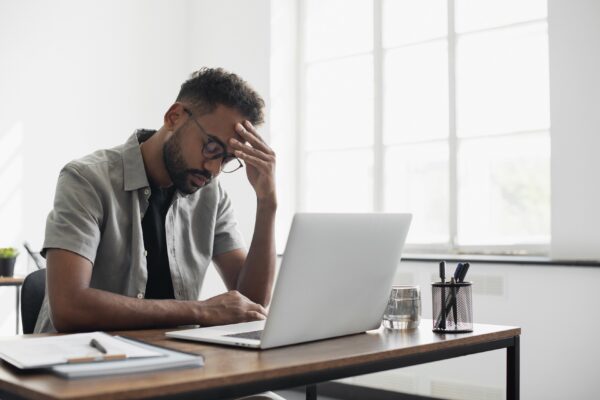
x=233, y=35
x=74, y=77
x=77, y=76
x=574, y=39
x=284, y=105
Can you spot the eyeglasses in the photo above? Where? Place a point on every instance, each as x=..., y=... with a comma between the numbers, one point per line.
x=214, y=149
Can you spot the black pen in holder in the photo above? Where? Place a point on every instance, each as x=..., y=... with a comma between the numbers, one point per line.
x=452, y=307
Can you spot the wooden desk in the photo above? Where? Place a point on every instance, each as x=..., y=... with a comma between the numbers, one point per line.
x=232, y=372
x=16, y=282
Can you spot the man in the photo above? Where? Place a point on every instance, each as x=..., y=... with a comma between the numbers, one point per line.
x=134, y=228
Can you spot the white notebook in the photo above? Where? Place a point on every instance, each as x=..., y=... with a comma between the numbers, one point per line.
x=40, y=352
x=170, y=359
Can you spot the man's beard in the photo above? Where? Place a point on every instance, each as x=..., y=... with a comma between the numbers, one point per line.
x=177, y=168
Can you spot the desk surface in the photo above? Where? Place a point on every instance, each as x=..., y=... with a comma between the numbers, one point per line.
x=11, y=281
x=228, y=366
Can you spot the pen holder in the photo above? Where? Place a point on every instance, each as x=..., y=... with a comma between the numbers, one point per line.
x=452, y=307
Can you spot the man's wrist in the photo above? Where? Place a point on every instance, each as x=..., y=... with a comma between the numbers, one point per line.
x=198, y=311
x=268, y=203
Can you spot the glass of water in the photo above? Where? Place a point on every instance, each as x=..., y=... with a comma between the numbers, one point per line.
x=404, y=308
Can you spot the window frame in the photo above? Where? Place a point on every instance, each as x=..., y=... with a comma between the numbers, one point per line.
x=378, y=148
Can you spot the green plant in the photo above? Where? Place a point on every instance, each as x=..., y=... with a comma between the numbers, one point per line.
x=8, y=252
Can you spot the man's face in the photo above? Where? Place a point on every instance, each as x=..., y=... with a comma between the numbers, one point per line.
x=186, y=165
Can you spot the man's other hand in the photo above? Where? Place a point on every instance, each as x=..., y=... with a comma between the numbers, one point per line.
x=229, y=308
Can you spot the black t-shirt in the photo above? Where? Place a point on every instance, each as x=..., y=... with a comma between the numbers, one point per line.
x=159, y=285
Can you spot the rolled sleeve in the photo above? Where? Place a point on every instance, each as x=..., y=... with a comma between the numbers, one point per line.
x=227, y=234
x=74, y=222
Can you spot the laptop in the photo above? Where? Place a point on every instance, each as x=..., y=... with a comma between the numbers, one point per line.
x=334, y=280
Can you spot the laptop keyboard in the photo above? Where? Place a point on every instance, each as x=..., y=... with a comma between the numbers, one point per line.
x=247, y=335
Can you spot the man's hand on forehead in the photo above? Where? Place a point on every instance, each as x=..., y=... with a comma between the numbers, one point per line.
x=250, y=137
x=239, y=138
x=259, y=158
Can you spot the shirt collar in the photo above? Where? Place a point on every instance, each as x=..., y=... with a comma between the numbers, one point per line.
x=134, y=172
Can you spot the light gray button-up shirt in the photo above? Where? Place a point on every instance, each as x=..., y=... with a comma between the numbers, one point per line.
x=98, y=209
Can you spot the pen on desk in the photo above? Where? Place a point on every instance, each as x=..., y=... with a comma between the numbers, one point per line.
x=98, y=346
x=453, y=303
x=458, y=271
x=459, y=276
x=442, y=323
x=463, y=272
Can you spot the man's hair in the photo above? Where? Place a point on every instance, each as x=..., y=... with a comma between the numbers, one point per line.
x=209, y=87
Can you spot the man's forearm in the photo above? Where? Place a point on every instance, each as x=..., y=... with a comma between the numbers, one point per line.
x=256, y=277
x=92, y=309
x=101, y=310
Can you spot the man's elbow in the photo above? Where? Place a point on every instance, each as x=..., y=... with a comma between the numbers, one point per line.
x=66, y=315
x=62, y=324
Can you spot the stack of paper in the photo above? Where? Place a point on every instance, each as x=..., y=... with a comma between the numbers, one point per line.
x=169, y=359
x=75, y=356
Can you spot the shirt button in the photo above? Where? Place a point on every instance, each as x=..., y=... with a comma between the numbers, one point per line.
x=146, y=192
x=140, y=295
x=145, y=253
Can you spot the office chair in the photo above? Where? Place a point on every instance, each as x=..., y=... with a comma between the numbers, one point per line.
x=37, y=258
x=32, y=296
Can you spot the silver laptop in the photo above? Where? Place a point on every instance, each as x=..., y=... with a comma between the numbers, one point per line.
x=335, y=279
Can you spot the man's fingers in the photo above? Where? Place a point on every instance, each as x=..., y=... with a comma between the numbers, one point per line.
x=255, y=307
x=250, y=150
x=253, y=137
x=254, y=161
x=261, y=309
x=249, y=127
x=253, y=316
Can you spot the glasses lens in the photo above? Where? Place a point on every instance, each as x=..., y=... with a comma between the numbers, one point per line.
x=230, y=164
x=212, y=148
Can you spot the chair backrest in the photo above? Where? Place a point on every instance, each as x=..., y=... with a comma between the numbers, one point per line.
x=32, y=296
x=40, y=262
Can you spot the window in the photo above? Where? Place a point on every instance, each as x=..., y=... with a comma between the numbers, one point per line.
x=439, y=108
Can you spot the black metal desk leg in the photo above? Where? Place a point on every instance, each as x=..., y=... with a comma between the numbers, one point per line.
x=311, y=392
x=513, y=370
x=18, y=306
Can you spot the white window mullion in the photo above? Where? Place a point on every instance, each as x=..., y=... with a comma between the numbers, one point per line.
x=452, y=137
x=378, y=148
x=301, y=90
